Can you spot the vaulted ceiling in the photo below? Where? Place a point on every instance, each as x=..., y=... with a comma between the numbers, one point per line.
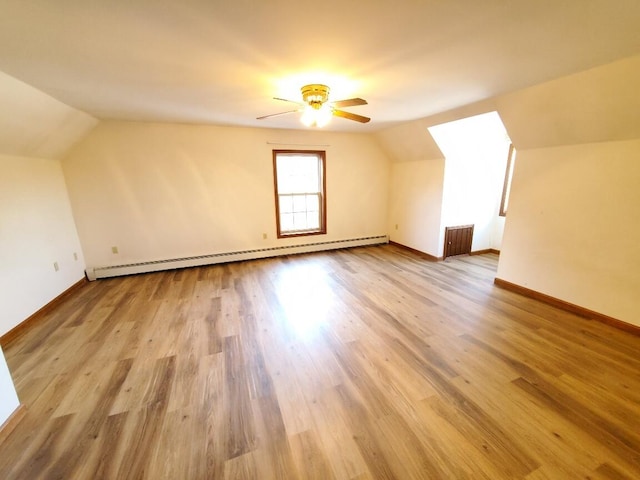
x=221, y=62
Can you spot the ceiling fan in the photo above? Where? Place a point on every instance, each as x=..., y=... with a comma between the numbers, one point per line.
x=316, y=108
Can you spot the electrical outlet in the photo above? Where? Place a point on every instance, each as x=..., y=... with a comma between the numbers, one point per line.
x=114, y=249
x=264, y=236
x=75, y=256
x=396, y=226
x=56, y=267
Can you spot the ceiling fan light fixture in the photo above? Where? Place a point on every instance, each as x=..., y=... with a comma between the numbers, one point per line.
x=324, y=115
x=315, y=93
x=316, y=108
x=308, y=117
x=317, y=112
x=316, y=116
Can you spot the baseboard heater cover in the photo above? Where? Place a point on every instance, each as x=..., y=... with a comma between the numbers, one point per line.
x=185, y=262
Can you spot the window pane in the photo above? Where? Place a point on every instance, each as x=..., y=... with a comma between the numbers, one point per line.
x=300, y=203
x=313, y=220
x=286, y=204
x=300, y=221
x=286, y=222
x=313, y=203
x=298, y=174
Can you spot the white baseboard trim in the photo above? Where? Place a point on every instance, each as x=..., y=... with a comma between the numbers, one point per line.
x=168, y=264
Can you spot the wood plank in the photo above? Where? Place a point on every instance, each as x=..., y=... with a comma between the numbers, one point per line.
x=310, y=458
x=10, y=423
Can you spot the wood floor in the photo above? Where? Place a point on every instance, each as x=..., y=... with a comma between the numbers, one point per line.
x=367, y=363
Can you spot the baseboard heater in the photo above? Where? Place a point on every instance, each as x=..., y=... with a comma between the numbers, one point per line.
x=169, y=264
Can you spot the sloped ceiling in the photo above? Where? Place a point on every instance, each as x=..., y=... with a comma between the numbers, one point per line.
x=222, y=62
x=410, y=141
x=33, y=124
x=598, y=105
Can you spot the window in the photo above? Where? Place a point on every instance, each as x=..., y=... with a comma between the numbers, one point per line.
x=299, y=179
x=506, y=189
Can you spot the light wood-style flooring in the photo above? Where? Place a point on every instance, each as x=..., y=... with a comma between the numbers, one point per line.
x=368, y=363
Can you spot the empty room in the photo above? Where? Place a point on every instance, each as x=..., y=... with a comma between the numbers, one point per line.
x=336, y=240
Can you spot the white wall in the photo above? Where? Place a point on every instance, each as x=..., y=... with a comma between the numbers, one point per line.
x=415, y=192
x=162, y=191
x=476, y=150
x=37, y=229
x=9, y=398
x=415, y=203
x=498, y=232
x=573, y=227
x=471, y=196
x=36, y=226
x=428, y=193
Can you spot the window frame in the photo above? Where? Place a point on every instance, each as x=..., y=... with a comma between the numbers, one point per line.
x=322, y=159
x=508, y=177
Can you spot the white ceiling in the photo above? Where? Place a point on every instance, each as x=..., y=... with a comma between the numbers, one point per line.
x=221, y=62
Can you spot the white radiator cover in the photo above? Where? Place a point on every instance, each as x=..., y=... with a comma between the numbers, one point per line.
x=158, y=265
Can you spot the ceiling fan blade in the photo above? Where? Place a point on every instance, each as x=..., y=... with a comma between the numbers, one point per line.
x=287, y=100
x=351, y=102
x=276, y=114
x=351, y=116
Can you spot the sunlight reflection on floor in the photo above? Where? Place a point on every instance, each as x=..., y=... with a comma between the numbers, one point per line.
x=306, y=298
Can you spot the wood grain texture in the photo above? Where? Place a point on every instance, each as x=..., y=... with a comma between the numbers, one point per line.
x=29, y=322
x=10, y=423
x=368, y=363
x=569, y=307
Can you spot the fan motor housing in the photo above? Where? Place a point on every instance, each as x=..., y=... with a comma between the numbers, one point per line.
x=315, y=94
